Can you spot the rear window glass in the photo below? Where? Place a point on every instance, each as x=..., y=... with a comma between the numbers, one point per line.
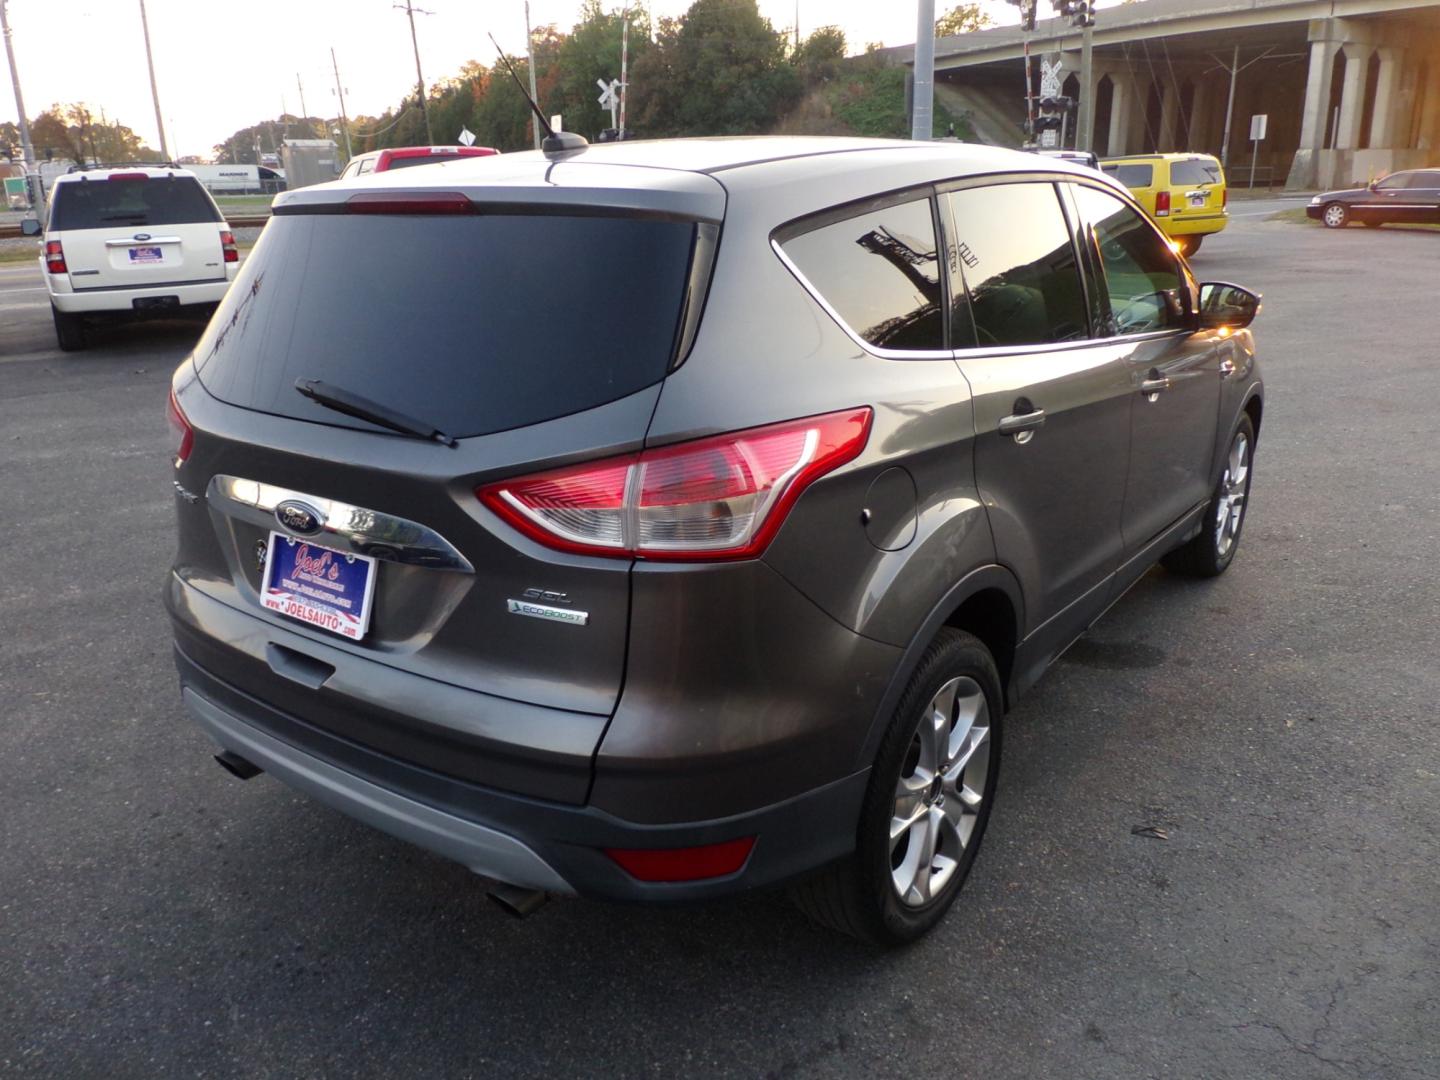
x=99, y=204
x=470, y=324
x=1132, y=176
x=1194, y=172
x=409, y=162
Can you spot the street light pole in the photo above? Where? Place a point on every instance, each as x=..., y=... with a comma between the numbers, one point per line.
x=32, y=171
x=154, y=92
x=409, y=10
x=922, y=115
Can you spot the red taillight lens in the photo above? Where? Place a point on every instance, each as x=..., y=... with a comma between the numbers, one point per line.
x=54, y=257
x=717, y=498
x=1162, y=204
x=409, y=202
x=184, y=433
x=227, y=245
x=1224, y=198
x=684, y=864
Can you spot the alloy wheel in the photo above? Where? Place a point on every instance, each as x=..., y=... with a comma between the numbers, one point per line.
x=940, y=791
x=1335, y=215
x=1230, y=507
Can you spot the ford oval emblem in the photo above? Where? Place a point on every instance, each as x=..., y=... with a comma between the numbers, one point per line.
x=294, y=516
x=142, y=236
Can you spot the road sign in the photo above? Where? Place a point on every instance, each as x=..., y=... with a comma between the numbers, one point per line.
x=467, y=136
x=1257, y=126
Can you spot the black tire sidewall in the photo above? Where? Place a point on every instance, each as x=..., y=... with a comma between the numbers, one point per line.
x=952, y=654
x=1221, y=562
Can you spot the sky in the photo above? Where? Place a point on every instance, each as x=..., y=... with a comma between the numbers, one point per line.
x=222, y=66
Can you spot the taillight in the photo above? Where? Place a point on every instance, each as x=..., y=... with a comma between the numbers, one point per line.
x=227, y=245
x=184, y=433
x=1162, y=204
x=684, y=864
x=1224, y=198
x=718, y=498
x=54, y=257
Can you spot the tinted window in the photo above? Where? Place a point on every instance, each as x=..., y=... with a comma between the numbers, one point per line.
x=97, y=204
x=1394, y=181
x=880, y=273
x=1425, y=180
x=411, y=162
x=1019, y=265
x=1142, y=276
x=472, y=324
x=1193, y=172
x=1132, y=176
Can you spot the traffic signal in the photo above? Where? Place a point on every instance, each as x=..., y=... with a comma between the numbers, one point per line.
x=1081, y=13
x=1027, y=12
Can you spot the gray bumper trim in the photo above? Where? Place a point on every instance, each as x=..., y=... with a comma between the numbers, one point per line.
x=487, y=852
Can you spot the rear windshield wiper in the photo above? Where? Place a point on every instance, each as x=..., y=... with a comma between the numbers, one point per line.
x=344, y=401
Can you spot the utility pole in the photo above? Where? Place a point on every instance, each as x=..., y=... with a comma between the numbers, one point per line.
x=304, y=112
x=410, y=10
x=530, y=54
x=1230, y=110
x=624, y=70
x=32, y=170
x=923, y=111
x=154, y=92
x=1085, y=122
x=340, y=93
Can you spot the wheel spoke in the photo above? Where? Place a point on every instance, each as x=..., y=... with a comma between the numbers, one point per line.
x=902, y=824
x=979, y=736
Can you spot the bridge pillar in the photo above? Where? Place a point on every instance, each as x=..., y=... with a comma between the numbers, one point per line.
x=1430, y=110
x=1169, y=119
x=1122, y=104
x=1384, y=120
x=1326, y=37
x=1352, y=95
x=1197, y=126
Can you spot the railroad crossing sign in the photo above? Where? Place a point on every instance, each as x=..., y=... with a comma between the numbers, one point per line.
x=467, y=136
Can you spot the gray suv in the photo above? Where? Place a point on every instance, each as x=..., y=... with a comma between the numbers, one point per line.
x=666, y=520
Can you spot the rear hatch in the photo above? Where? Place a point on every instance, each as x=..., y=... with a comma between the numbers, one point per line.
x=137, y=230
x=1197, y=188
x=531, y=338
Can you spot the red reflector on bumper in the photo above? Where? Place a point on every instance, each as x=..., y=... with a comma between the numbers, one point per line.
x=684, y=864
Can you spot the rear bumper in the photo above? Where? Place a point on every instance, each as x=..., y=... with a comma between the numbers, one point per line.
x=1193, y=226
x=512, y=838
x=97, y=301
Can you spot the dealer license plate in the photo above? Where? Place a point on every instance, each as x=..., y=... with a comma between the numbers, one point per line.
x=319, y=586
x=146, y=255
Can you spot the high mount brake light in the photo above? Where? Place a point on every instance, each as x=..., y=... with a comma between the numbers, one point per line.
x=184, y=433
x=409, y=202
x=129, y=176
x=723, y=497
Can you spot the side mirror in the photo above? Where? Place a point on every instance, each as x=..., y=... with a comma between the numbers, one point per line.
x=31, y=227
x=1227, y=306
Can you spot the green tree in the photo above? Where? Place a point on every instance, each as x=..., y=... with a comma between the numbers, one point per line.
x=822, y=55
x=73, y=131
x=589, y=53
x=962, y=19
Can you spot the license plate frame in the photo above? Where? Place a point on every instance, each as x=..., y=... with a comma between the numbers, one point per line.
x=318, y=585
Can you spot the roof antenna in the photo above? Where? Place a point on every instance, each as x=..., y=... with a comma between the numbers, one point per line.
x=556, y=143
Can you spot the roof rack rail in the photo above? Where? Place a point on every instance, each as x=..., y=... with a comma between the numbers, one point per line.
x=123, y=164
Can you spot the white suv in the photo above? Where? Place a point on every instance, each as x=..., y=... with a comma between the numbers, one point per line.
x=135, y=241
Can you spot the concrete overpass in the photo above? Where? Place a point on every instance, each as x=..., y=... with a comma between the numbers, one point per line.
x=1351, y=87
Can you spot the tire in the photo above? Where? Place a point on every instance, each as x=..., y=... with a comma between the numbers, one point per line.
x=1213, y=548
x=1188, y=245
x=861, y=895
x=1370, y=223
x=70, y=330
x=1335, y=215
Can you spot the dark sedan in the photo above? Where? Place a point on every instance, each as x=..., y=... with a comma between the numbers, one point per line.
x=1411, y=197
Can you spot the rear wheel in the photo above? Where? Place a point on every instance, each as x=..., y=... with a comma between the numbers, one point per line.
x=926, y=805
x=1213, y=548
x=70, y=330
x=1335, y=216
x=1371, y=223
x=1188, y=245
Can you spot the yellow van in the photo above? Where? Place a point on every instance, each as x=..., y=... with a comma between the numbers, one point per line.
x=1185, y=193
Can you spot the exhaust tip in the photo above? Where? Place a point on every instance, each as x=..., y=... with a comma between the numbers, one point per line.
x=237, y=766
x=517, y=902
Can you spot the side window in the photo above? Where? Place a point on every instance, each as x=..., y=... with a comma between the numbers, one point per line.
x=880, y=272
x=1016, y=255
x=365, y=166
x=1424, y=180
x=1393, y=182
x=1143, y=280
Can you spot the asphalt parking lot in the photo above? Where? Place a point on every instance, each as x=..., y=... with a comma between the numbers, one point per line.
x=1279, y=726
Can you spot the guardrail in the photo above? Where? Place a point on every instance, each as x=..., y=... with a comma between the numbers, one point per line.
x=253, y=221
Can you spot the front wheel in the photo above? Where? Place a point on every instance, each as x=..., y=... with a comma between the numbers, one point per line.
x=1213, y=549
x=1335, y=216
x=926, y=805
